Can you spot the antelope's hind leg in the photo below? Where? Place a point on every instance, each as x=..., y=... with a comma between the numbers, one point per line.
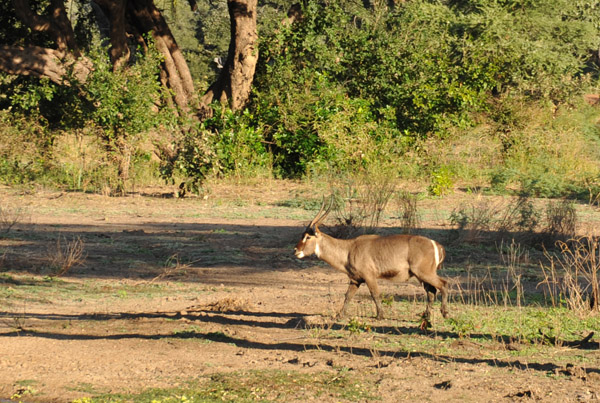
x=432, y=284
x=431, y=292
x=444, y=292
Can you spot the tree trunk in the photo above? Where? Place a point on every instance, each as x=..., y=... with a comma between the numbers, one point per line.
x=119, y=50
x=148, y=19
x=235, y=81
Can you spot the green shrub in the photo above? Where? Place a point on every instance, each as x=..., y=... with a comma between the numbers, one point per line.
x=442, y=181
x=24, y=149
x=342, y=75
x=239, y=144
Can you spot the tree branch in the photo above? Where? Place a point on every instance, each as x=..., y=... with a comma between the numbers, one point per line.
x=43, y=62
x=57, y=24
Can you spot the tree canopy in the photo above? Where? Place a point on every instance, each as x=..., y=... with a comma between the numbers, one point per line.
x=321, y=86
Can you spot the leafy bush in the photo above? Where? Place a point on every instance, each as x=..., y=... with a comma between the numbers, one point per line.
x=115, y=108
x=351, y=90
x=344, y=76
x=308, y=114
x=24, y=149
x=441, y=181
x=238, y=143
x=187, y=158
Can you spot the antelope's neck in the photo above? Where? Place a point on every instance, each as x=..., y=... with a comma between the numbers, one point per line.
x=333, y=251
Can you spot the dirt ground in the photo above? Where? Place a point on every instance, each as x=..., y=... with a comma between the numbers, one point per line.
x=175, y=290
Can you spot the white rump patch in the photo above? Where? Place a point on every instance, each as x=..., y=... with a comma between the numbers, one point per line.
x=436, y=253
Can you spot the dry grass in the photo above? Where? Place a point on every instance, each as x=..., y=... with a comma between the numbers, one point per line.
x=229, y=304
x=9, y=217
x=488, y=220
x=572, y=276
x=360, y=202
x=408, y=211
x=488, y=288
x=561, y=220
x=66, y=255
x=172, y=268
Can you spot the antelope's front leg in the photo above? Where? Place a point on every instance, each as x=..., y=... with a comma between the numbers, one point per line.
x=374, y=289
x=352, y=288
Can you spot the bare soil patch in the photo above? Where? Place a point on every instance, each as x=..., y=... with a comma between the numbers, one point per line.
x=176, y=290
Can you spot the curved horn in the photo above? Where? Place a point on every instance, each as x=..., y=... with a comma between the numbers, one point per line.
x=317, y=217
x=320, y=217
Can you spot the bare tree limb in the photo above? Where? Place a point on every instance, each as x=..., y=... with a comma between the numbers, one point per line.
x=43, y=62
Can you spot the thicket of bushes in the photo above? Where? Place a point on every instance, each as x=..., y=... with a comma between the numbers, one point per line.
x=478, y=93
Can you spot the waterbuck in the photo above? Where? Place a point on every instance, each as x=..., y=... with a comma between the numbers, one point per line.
x=369, y=257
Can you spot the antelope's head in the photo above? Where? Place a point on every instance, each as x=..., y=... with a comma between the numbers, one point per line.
x=309, y=243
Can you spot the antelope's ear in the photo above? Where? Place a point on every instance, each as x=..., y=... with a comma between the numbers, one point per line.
x=316, y=230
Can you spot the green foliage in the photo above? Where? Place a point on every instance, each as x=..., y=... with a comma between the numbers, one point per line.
x=54, y=107
x=117, y=109
x=532, y=325
x=253, y=385
x=325, y=130
x=356, y=326
x=124, y=102
x=202, y=35
x=330, y=81
x=441, y=181
x=121, y=107
x=461, y=325
x=24, y=146
x=239, y=144
x=289, y=119
x=191, y=161
x=554, y=154
x=227, y=144
x=429, y=86
x=347, y=89
x=27, y=98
